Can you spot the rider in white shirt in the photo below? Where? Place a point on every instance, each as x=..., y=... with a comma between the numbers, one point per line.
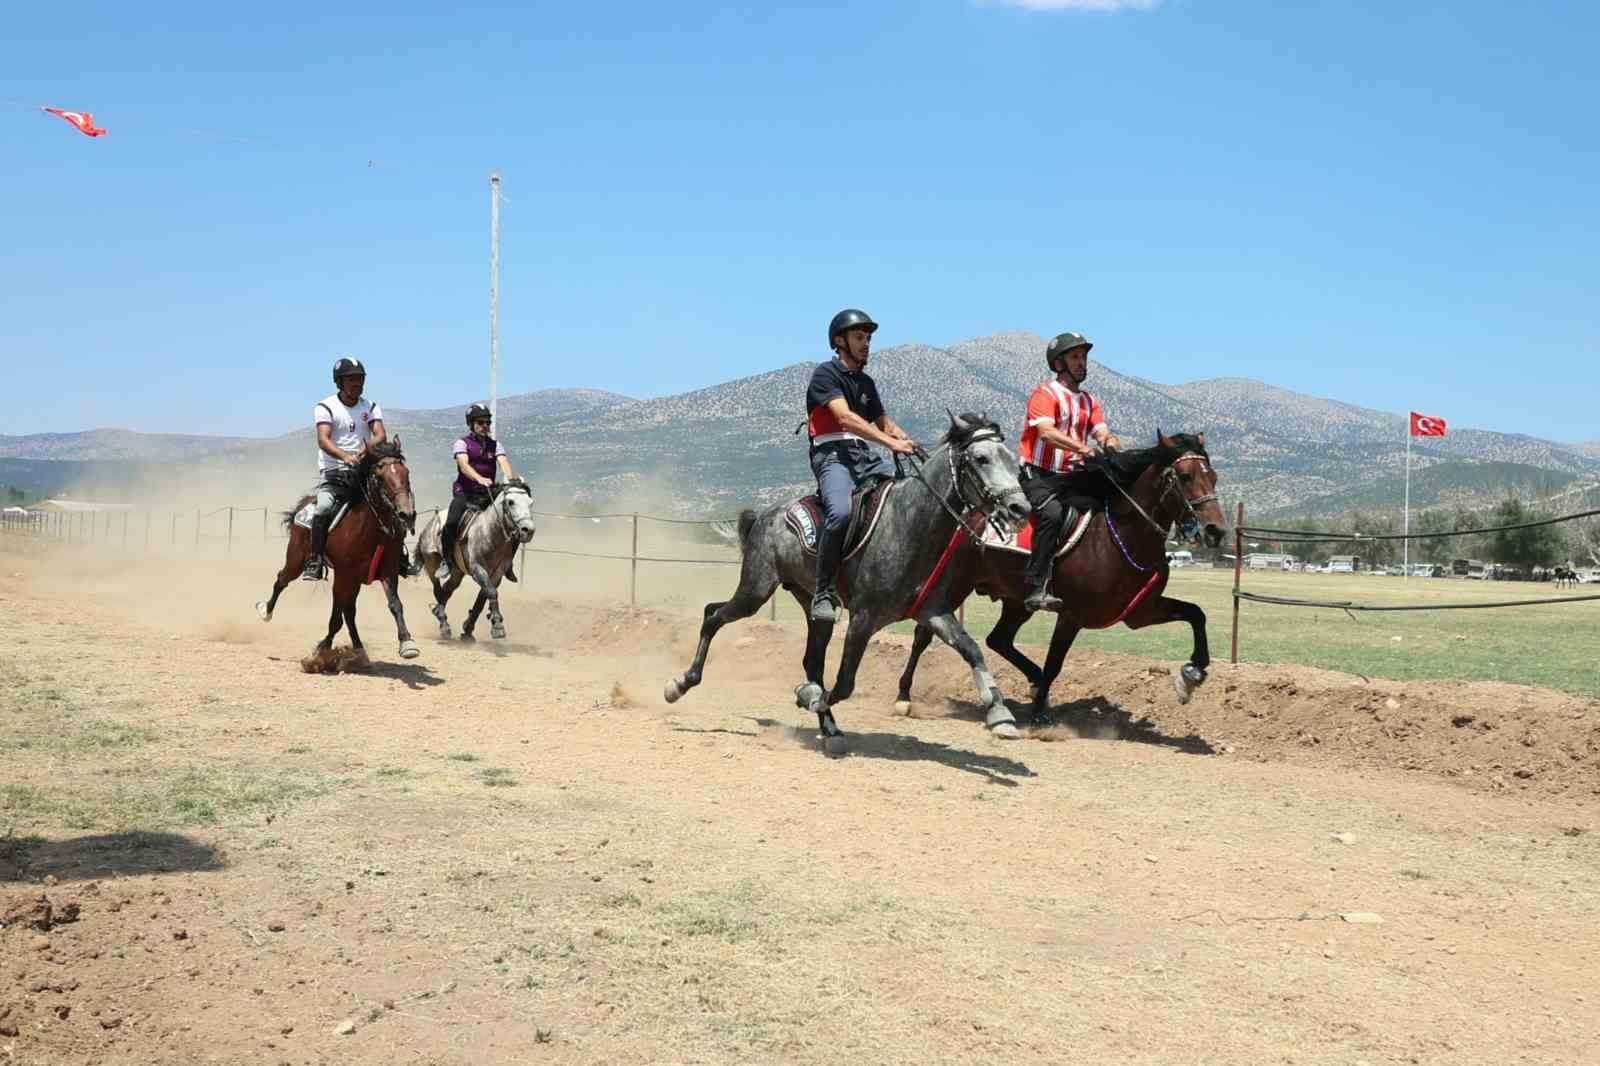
x=347, y=425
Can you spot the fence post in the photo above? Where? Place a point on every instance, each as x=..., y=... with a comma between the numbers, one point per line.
x=1238, y=557
x=124, y=530
x=633, y=581
x=230, y=530
x=174, y=527
x=147, y=530
x=263, y=525
x=197, y=527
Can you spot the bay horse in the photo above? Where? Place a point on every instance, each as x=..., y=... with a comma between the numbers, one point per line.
x=368, y=545
x=900, y=572
x=1117, y=571
x=485, y=549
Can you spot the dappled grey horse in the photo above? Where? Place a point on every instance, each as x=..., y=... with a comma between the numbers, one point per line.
x=484, y=550
x=900, y=573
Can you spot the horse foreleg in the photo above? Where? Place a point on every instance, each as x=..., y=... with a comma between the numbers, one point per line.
x=1002, y=640
x=335, y=623
x=919, y=644
x=391, y=590
x=1061, y=638
x=1157, y=612
x=756, y=585
x=997, y=715
x=497, y=621
x=810, y=695
x=471, y=621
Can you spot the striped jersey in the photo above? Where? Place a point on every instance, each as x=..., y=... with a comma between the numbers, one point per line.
x=1076, y=414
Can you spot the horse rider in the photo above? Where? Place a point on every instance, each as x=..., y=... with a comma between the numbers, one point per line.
x=476, y=454
x=1062, y=419
x=843, y=413
x=347, y=424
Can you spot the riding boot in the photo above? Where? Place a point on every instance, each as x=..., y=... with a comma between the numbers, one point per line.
x=825, y=601
x=319, y=542
x=1042, y=558
x=447, y=551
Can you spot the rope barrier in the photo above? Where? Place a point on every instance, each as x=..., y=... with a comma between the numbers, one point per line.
x=631, y=558
x=1345, y=605
x=1298, y=536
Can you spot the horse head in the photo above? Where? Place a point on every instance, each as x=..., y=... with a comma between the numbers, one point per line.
x=516, y=500
x=986, y=473
x=1189, y=470
x=386, y=472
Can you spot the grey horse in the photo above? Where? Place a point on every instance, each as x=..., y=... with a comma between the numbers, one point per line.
x=900, y=573
x=484, y=550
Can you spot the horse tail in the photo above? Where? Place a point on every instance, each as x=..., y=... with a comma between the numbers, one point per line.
x=287, y=518
x=747, y=522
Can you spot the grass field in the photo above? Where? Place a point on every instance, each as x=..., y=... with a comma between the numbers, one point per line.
x=1556, y=646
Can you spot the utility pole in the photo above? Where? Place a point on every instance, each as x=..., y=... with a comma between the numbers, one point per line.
x=494, y=285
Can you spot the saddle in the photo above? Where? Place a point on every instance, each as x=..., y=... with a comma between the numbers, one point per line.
x=804, y=516
x=1022, y=540
x=302, y=517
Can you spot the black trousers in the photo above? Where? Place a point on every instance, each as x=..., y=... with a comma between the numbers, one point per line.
x=459, y=506
x=1054, y=498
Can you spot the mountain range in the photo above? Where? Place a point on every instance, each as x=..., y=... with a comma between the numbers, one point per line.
x=713, y=450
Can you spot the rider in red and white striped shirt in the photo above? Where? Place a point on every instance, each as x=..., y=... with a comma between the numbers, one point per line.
x=1062, y=419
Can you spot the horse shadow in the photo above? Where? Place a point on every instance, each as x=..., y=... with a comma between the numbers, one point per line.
x=1099, y=719
x=416, y=676
x=127, y=854
x=896, y=747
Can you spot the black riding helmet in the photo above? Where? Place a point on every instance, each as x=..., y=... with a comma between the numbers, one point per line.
x=850, y=318
x=478, y=412
x=1061, y=345
x=347, y=367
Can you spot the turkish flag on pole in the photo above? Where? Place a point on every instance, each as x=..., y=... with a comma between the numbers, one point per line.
x=1426, y=425
x=81, y=119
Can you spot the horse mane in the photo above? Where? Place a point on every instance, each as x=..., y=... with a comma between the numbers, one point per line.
x=389, y=449
x=965, y=426
x=1126, y=467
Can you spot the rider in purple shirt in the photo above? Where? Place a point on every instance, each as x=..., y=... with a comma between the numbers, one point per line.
x=477, y=454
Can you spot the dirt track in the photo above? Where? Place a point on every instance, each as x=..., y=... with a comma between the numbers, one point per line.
x=519, y=853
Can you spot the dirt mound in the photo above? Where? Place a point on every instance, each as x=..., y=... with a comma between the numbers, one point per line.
x=1484, y=735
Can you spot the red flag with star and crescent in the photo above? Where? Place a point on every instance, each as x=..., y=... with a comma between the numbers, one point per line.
x=1426, y=425
x=82, y=120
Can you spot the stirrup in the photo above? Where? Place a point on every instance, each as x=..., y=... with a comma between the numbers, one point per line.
x=1041, y=600
x=824, y=607
x=314, y=570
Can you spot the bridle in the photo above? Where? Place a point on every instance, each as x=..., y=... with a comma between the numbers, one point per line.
x=965, y=484
x=375, y=489
x=1190, y=524
x=507, y=528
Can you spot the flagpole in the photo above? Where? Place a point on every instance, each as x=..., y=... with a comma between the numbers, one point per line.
x=494, y=285
x=1405, y=545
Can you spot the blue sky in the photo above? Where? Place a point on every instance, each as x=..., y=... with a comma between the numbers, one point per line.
x=1388, y=203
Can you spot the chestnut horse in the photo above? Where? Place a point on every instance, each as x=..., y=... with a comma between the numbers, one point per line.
x=368, y=545
x=1116, y=573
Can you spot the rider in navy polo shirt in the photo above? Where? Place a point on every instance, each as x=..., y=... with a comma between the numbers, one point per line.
x=843, y=413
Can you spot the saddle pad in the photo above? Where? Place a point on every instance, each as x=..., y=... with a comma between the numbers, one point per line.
x=1022, y=540
x=804, y=518
x=302, y=517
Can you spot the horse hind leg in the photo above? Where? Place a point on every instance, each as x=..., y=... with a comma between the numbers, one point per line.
x=757, y=582
x=294, y=562
x=470, y=623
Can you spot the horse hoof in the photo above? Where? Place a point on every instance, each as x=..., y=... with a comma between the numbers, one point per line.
x=1187, y=680
x=498, y=632
x=1042, y=720
x=409, y=649
x=806, y=695
x=672, y=692
x=468, y=638
x=1006, y=731
x=263, y=610
x=836, y=745
x=902, y=707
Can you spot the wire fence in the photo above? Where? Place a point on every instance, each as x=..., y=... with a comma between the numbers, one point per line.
x=233, y=526
x=1289, y=537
